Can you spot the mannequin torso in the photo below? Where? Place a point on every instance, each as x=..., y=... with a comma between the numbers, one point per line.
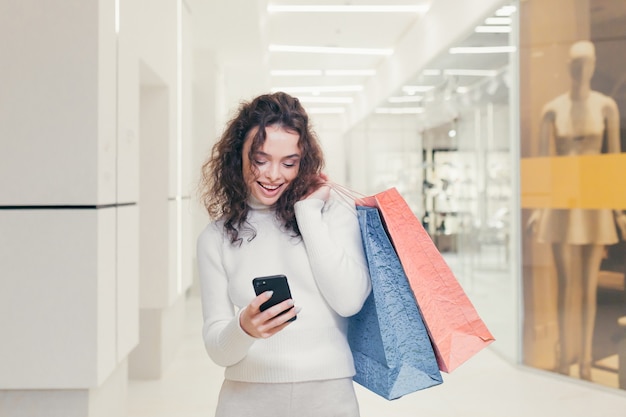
x=579, y=125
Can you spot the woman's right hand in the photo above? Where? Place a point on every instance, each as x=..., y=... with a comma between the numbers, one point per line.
x=263, y=324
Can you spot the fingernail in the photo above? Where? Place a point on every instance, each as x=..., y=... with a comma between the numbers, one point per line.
x=269, y=294
x=298, y=309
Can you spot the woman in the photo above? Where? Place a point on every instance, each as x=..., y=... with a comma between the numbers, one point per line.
x=273, y=213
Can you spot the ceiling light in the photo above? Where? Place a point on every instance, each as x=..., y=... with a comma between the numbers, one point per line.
x=492, y=29
x=349, y=72
x=326, y=110
x=431, y=72
x=319, y=73
x=280, y=8
x=330, y=50
x=117, y=16
x=483, y=49
x=399, y=110
x=329, y=100
x=506, y=11
x=320, y=89
x=296, y=73
x=471, y=72
x=498, y=21
x=405, y=99
x=412, y=89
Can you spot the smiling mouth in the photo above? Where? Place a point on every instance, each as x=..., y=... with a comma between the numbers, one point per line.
x=270, y=187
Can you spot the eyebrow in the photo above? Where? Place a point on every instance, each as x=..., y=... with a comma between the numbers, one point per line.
x=295, y=155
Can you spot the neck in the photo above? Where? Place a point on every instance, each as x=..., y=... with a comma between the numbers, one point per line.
x=580, y=91
x=256, y=204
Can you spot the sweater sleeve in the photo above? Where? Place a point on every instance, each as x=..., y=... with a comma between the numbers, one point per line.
x=225, y=341
x=332, y=237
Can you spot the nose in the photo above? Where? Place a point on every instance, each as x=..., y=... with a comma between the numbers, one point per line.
x=273, y=172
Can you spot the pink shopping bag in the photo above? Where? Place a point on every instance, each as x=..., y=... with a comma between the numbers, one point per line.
x=455, y=328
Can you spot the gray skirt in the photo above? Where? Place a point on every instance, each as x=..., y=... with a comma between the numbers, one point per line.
x=328, y=398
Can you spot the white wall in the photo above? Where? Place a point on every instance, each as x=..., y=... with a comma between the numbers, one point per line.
x=50, y=111
x=62, y=221
x=70, y=207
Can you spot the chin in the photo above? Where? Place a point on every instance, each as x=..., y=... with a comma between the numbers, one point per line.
x=268, y=201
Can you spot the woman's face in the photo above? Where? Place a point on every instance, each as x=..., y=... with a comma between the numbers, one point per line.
x=274, y=165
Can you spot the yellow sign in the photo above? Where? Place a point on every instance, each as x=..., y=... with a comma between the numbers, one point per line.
x=586, y=181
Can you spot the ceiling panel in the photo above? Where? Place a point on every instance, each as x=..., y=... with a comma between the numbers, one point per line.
x=241, y=33
x=362, y=30
x=344, y=30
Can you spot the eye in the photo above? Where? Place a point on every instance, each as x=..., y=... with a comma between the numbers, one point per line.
x=291, y=163
x=259, y=163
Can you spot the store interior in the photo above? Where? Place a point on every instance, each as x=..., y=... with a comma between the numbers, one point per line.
x=446, y=140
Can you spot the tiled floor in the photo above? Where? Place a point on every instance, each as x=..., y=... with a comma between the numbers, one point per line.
x=485, y=386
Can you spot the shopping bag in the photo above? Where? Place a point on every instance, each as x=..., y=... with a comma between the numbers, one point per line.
x=392, y=352
x=456, y=330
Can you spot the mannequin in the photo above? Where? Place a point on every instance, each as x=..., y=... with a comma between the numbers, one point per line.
x=575, y=123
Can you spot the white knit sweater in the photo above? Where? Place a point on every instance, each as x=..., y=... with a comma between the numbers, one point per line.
x=329, y=280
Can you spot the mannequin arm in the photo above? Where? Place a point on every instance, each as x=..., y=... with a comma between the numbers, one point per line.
x=612, y=126
x=546, y=131
x=620, y=221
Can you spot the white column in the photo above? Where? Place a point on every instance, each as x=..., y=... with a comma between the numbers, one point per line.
x=165, y=182
x=68, y=213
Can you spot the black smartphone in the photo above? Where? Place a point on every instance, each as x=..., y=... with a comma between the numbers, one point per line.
x=276, y=283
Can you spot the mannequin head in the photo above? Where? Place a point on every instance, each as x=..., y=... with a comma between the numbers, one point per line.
x=582, y=61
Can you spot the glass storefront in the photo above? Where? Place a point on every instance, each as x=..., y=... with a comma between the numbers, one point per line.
x=573, y=99
x=447, y=141
x=469, y=136
x=510, y=148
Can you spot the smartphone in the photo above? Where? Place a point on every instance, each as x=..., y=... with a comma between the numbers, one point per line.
x=276, y=283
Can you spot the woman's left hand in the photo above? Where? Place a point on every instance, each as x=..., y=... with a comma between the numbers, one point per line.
x=322, y=192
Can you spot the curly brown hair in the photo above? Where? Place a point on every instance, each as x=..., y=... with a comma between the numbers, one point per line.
x=224, y=192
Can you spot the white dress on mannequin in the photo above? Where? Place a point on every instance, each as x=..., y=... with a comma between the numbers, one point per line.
x=578, y=129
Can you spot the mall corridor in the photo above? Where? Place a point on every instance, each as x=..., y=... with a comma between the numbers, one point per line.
x=110, y=108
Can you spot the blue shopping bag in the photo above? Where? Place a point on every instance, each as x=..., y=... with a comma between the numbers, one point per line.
x=392, y=352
